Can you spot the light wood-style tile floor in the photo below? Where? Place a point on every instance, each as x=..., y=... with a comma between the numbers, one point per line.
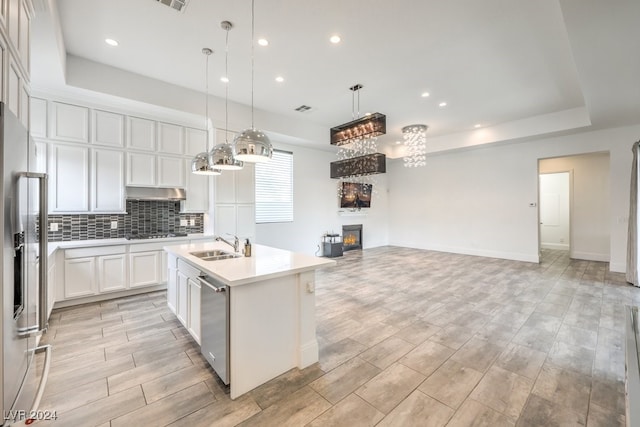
x=407, y=338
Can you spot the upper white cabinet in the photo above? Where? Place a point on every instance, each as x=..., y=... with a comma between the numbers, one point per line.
x=14, y=87
x=141, y=134
x=69, y=122
x=170, y=139
x=108, y=128
x=107, y=180
x=68, y=178
x=245, y=184
x=24, y=31
x=38, y=117
x=171, y=172
x=141, y=169
x=197, y=191
x=195, y=141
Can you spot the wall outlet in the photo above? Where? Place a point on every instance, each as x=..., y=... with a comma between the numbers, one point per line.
x=183, y=223
x=53, y=226
x=114, y=225
x=192, y=222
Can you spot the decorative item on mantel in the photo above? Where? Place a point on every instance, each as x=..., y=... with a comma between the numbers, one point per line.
x=415, y=139
x=252, y=145
x=200, y=163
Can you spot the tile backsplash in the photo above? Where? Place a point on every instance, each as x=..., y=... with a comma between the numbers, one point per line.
x=143, y=216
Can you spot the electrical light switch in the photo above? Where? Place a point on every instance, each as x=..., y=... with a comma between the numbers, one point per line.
x=114, y=225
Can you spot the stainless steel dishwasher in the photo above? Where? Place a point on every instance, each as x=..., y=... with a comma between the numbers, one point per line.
x=214, y=315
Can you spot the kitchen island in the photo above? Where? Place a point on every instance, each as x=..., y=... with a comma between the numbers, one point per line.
x=270, y=309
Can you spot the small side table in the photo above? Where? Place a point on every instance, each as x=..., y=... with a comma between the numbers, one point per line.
x=331, y=245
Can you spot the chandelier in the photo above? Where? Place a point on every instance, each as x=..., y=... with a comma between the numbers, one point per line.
x=361, y=128
x=415, y=139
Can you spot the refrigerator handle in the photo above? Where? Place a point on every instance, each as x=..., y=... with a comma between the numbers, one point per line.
x=42, y=255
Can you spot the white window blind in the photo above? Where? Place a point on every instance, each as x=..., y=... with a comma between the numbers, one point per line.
x=274, y=188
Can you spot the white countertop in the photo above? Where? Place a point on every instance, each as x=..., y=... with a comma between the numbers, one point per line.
x=75, y=244
x=265, y=263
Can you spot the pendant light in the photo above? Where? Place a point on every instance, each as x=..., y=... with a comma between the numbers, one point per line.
x=223, y=156
x=253, y=145
x=200, y=163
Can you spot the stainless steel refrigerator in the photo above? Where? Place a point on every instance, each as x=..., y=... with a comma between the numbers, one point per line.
x=23, y=215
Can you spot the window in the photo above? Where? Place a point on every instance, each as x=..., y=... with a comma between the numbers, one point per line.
x=274, y=188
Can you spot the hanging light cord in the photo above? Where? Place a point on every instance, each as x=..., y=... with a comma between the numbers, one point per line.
x=206, y=97
x=226, y=89
x=252, y=58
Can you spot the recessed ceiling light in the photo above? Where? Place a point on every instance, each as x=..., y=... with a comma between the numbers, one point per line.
x=263, y=42
x=424, y=94
x=335, y=39
x=442, y=104
x=398, y=142
x=367, y=114
x=477, y=125
x=224, y=79
x=111, y=42
x=279, y=79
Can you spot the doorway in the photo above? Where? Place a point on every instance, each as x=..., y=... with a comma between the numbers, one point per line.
x=555, y=210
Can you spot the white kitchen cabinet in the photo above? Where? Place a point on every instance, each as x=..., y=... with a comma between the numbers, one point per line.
x=164, y=265
x=170, y=139
x=172, y=283
x=195, y=141
x=144, y=269
x=79, y=277
x=40, y=154
x=107, y=180
x=245, y=221
x=141, y=169
x=171, y=172
x=197, y=191
x=194, y=309
x=24, y=31
x=183, y=300
x=69, y=122
x=108, y=128
x=141, y=134
x=51, y=284
x=3, y=63
x=225, y=185
x=14, y=86
x=68, y=178
x=224, y=219
x=112, y=273
x=245, y=184
x=38, y=113
x=24, y=105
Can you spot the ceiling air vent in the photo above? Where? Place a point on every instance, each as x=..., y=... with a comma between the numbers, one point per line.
x=178, y=5
x=303, y=109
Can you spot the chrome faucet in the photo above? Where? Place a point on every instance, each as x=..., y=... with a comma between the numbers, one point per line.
x=235, y=245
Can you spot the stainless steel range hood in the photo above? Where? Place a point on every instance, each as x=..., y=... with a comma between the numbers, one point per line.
x=152, y=193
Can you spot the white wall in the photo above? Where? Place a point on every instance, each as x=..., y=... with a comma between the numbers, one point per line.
x=477, y=201
x=554, y=210
x=316, y=206
x=590, y=217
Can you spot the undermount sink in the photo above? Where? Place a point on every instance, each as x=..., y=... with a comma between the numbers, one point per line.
x=214, y=255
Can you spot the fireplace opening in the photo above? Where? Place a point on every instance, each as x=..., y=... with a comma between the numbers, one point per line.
x=351, y=237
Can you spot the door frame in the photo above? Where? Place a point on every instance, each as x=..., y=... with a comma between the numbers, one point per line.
x=570, y=172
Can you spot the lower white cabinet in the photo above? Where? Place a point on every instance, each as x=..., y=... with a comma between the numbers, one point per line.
x=79, y=277
x=112, y=273
x=194, y=309
x=172, y=283
x=183, y=300
x=144, y=269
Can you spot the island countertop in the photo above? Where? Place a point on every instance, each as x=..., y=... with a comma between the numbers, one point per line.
x=265, y=263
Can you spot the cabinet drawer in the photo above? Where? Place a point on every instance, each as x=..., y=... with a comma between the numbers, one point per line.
x=95, y=251
x=156, y=246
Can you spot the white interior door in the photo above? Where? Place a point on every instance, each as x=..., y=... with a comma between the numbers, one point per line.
x=555, y=215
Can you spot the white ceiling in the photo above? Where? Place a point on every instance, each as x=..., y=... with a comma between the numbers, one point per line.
x=494, y=62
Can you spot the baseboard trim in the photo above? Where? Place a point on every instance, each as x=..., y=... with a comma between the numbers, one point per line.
x=513, y=256
x=110, y=295
x=560, y=246
x=589, y=256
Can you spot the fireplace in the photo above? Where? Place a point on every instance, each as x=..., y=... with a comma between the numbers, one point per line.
x=352, y=237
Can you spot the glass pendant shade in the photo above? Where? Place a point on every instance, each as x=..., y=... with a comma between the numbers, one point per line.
x=223, y=157
x=253, y=146
x=200, y=165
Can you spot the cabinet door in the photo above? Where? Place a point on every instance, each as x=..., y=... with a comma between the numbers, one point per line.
x=107, y=189
x=225, y=187
x=112, y=273
x=40, y=155
x=108, y=128
x=183, y=301
x=24, y=31
x=69, y=178
x=38, y=121
x=172, y=289
x=171, y=172
x=194, y=309
x=164, y=266
x=195, y=141
x=141, y=134
x=225, y=219
x=24, y=105
x=170, y=139
x=141, y=169
x=51, y=288
x=197, y=191
x=69, y=122
x=79, y=277
x=14, y=86
x=246, y=221
x=144, y=268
